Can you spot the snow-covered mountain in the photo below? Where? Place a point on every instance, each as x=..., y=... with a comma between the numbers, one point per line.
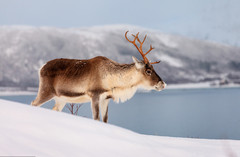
x=34, y=131
x=24, y=49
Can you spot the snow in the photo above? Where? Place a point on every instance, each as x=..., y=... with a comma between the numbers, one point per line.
x=34, y=131
x=172, y=61
x=10, y=93
x=200, y=85
x=167, y=40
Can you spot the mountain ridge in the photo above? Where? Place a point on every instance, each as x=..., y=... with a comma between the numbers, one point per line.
x=24, y=49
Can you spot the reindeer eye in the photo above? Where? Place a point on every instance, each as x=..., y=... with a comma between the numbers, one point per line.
x=148, y=72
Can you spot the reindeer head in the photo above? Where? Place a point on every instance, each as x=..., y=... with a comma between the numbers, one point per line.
x=151, y=79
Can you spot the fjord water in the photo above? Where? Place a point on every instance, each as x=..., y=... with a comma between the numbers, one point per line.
x=212, y=113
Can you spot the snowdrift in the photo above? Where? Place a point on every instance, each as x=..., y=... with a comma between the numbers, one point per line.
x=33, y=131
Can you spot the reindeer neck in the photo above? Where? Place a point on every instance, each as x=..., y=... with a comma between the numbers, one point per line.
x=123, y=81
x=126, y=76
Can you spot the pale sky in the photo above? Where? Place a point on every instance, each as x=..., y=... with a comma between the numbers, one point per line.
x=216, y=20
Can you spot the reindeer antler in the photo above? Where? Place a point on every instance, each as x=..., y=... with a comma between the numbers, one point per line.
x=140, y=47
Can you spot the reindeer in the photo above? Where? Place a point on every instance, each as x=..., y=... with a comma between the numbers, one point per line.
x=96, y=80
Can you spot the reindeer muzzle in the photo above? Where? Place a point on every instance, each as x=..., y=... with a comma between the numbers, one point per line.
x=160, y=86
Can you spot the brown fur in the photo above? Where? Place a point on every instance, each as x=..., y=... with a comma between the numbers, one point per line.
x=97, y=80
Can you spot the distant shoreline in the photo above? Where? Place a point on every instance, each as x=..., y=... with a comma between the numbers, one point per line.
x=201, y=85
x=10, y=91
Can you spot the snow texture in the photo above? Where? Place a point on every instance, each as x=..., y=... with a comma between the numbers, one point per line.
x=24, y=49
x=33, y=131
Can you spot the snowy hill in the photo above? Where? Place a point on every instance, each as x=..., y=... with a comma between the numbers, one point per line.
x=33, y=131
x=24, y=49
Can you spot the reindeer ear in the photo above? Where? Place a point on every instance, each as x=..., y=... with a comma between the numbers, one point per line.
x=138, y=63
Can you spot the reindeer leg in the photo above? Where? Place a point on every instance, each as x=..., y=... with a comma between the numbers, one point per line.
x=59, y=105
x=95, y=107
x=45, y=92
x=104, y=110
x=42, y=97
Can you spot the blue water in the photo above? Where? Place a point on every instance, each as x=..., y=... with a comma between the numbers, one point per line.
x=198, y=113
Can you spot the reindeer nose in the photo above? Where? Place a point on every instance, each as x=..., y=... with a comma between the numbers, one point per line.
x=164, y=85
x=160, y=86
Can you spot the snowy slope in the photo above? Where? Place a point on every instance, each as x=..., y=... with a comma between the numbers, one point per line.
x=24, y=49
x=33, y=131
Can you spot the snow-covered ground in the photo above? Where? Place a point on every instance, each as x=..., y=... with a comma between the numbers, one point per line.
x=199, y=86
x=34, y=131
x=11, y=93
